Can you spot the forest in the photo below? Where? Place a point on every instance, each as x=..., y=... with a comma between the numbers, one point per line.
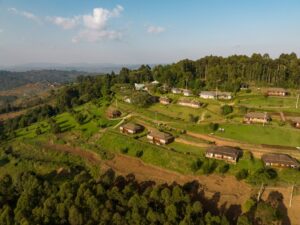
x=226, y=73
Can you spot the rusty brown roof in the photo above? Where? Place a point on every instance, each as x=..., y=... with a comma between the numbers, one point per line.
x=161, y=135
x=258, y=115
x=295, y=119
x=224, y=150
x=132, y=126
x=277, y=90
x=279, y=158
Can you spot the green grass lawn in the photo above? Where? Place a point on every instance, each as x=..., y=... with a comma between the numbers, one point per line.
x=275, y=104
x=259, y=134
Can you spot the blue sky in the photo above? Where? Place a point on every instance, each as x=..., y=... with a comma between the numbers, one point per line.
x=135, y=31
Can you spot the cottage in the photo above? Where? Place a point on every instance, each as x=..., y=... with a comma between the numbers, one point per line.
x=224, y=95
x=113, y=113
x=295, y=121
x=176, y=91
x=225, y=153
x=131, y=128
x=160, y=138
x=208, y=94
x=277, y=92
x=139, y=87
x=164, y=100
x=189, y=103
x=187, y=92
x=155, y=82
x=257, y=117
x=215, y=95
x=280, y=160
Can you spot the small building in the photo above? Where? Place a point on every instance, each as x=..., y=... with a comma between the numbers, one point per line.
x=155, y=82
x=257, y=117
x=189, y=103
x=160, y=138
x=225, y=153
x=277, y=92
x=139, y=87
x=113, y=113
x=224, y=95
x=208, y=94
x=295, y=121
x=164, y=100
x=131, y=128
x=187, y=92
x=280, y=160
x=176, y=91
x=215, y=95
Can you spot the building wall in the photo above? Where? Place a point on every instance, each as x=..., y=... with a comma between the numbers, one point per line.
x=255, y=120
x=207, y=96
x=189, y=105
x=221, y=157
x=275, y=93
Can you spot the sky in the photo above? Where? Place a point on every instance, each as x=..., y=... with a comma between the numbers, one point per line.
x=141, y=31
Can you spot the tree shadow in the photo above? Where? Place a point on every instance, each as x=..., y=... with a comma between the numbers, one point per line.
x=233, y=212
x=275, y=199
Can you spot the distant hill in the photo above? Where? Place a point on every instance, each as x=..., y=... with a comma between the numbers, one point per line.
x=86, y=67
x=10, y=80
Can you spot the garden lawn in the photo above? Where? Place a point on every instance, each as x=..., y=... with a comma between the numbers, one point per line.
x=259, y=134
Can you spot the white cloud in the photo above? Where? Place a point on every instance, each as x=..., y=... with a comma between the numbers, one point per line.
x=25, y=14
x=92, y=27
x=96, y=35
x=100, y=16
x=65, y=23
x=155, y=29
x=95, y=25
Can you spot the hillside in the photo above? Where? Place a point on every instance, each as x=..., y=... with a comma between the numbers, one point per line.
x=79, y=129
x=10, y=80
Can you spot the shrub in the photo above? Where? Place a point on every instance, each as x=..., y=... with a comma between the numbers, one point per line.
x=139, y=153
x=242, y=174
x=224, y=168
x=124, y=150
x=226, y=109
x=196, y=165
x=193, y=119
x=38, y=131
x=213, y=126
x=209, y=166
x=248, y=205
x=263, y=175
